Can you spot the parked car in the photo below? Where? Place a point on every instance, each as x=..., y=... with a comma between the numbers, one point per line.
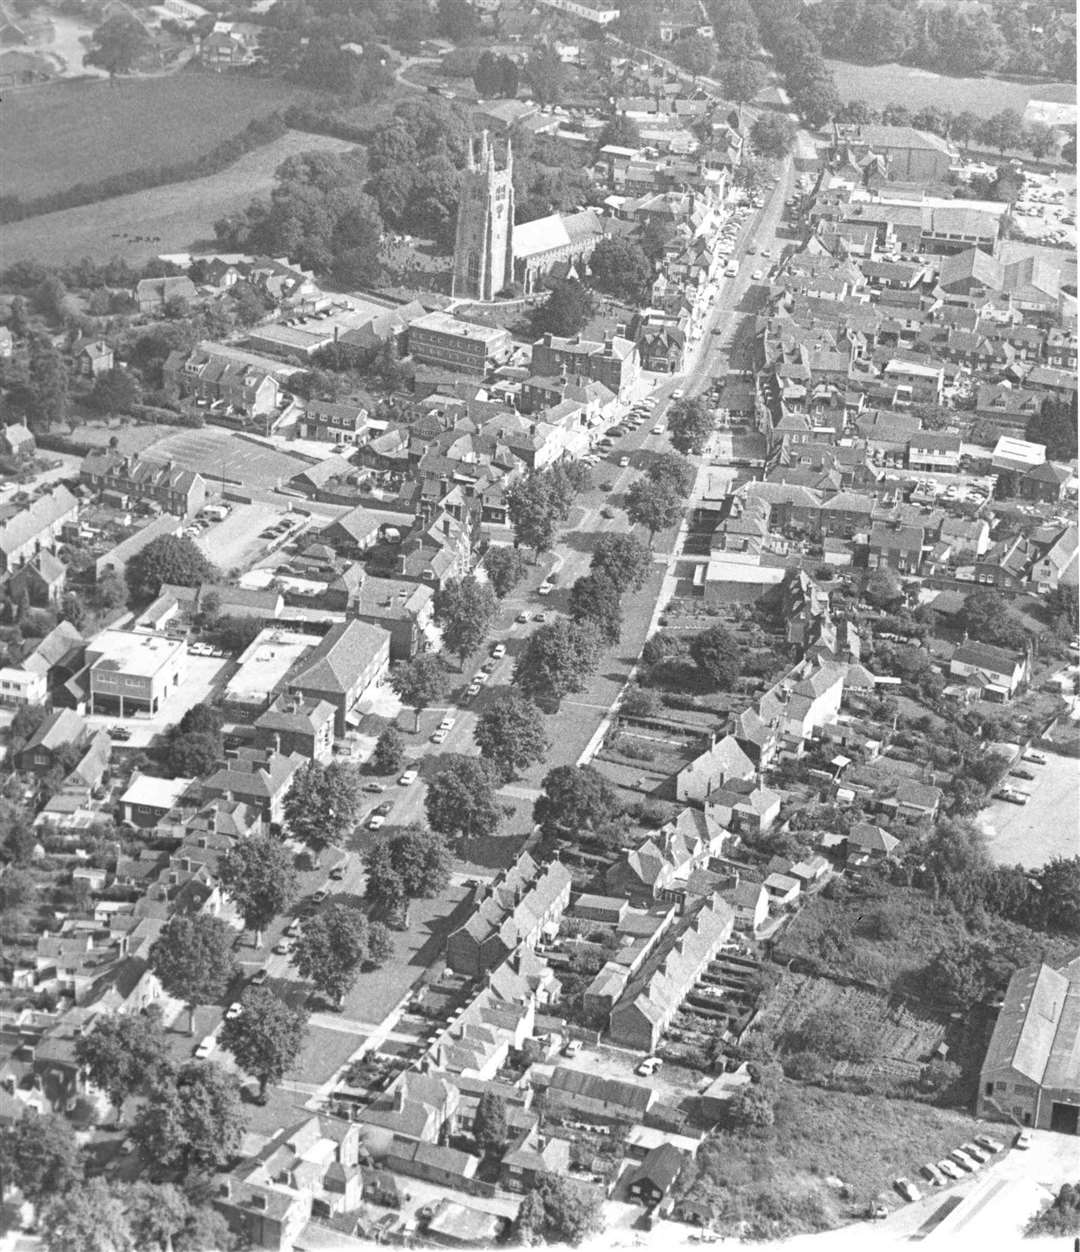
x=337, y=873
x=294, y=928
x=545, y=589
x=658, y=429
x=409, y=776
x=950, y=1169
x=908, y=1190
x=571, y=1047
x=498, y=651
x=649, y=1066
x=376, y=821
x=319, y=896
x=259, y=977
x=234, y=1010
x=1025, y=774
x=624, y=461
x=447, y=722
x=523, y=617
x=374, y=786
x=876, y=1211
x=283, y=947
x=120, y=733
x=967, y=1163
x=439, y=736
x=204, y=1048
x=385, y=808
x=931, y=1171
x=1023, y=1140
x=990, y=1143
x=1036, y=758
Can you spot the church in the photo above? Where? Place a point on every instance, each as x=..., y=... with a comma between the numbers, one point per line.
x=490, y=252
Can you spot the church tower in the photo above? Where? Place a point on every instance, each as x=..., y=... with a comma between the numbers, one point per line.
x=484, y=244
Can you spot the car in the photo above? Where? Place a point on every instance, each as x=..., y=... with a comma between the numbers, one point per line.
x=204, y=1048
x=750, y=249
x=1035, y=758
x=234, y=1010
x=376, y=821
x=624, y=461
x=545, y=589
x=200, y=649
x=439, y=736
x=1025, y=774
x=1011, y=795
x=374, y=786
x=658, y=429
x=571, y=1047
x=283, y=947
x=876, y=1211
x=384, y=809
x=990, y=1143
x=648, y=1066
x=337, y=873
x=757, y=275
x=931, y=1171
x=447, y=722
x=539, y=617
x=523, y=617
x=489, y=666
x=409, y=776
x=1023, y=1140
x=319, y=896
x=119, y=732
x=294, y=928
x=766, y=252
x=259, y=977
x=949, y=1169
x=967, y=1163
x=973, y=1149
x=473, y=690
x=499, y=651
x=481, y=676
x=908, y=1190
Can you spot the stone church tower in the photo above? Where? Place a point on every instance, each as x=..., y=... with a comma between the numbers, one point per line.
x=484, y=245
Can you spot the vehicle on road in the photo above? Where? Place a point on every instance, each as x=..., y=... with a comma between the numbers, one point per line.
x=731, y=270
x=374, y=786
x=120, y=733
x=499, y=651
x=1023, y=1140
x=439, y=736
x=259, y=977
x=523, y=617
x=204, y=1048
x=658, y=429
x=649, y=1066
x=908, y=1190
x=876, y=1211
x=624, y=461
x=545, y=589
x=409, y=777
x=1035, y=758
x=376, y=821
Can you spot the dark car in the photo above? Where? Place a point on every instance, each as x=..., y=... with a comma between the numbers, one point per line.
x=122, y=733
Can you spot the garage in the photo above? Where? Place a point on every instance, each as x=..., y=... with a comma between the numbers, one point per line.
x=1065, y=1118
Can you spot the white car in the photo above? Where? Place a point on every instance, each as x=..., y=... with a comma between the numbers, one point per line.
x=624, y=461
x=439, y=736
x=376, y=821
x=499, y=651
x=481, y=676
x=234, y=1010
x=757, y=276
x=572, y=1047
x=409, y=777
x=990, y=1143
x=204, y=1048
x=447, y=722
x=658, y=429
x=1023, y=1140
x=200, y=649
x=649, y=1066
x=545, y=589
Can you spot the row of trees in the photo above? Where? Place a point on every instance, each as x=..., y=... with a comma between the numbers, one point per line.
x=1003, y=131
x=798, y=56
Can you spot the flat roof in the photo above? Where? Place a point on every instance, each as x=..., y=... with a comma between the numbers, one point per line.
x=157, y=793
x=266, y=661
x=443, y=323
x=133, y=652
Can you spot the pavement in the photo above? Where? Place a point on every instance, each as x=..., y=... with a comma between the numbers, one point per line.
x=1046, y=826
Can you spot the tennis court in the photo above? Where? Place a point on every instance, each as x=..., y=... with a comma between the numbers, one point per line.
x=216, y=454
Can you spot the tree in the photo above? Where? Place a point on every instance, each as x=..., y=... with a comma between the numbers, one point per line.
x=419, y=682
x=41, y=1156
x=168, y=559
x=671, y=470
x=565, y=311
x=620, y=267
x=545, y=74
x=465, y=609
x=558, y=659
x=266, y=1037
x=690, y=424
x=621, y=131
x=166, y=1219
x=192, y=1119
x=457, y=20
x=413, y=864
x=89, y=1217
x=122, y=1053
x=389, y=752
x=594, y=599
x=380, y=945
x=47, y=398
x=1058, y=898
x=1055, y=425
x=773, y=135
x=964, y=127
x=192, y=755
x=1040, y=140
x=491, y=1128
x=259, y=876
x=1062, y=1218
x=331, y=949
x=752, y=1106
x=693, y=54
x=986, y=616
x=623, y=559
x=460, y=801
x=193, y=958
x=510, y=735
x=741, y=80
x=117, y=391
x=323, y=802
x=558, y=1210
x=505, y=568
x=118, y=44
x=575, y=798
x=1003, y=130
x=640, y=702
x=883, y=589
x=533, y=512
x=717, y=656
x=110, y=591
x=652, y=505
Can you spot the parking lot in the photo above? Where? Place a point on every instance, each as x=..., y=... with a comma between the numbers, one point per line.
x=220, y=454
x=1044, y=827
x=237, y=542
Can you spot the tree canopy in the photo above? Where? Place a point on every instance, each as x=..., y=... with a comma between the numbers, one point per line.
x=122, y=1053
x=565, y=311
x=465, y=609
x=412, y=864
x=717, y=655
x=559, y=1210
x=690, y=424
x=118, y=44
x=595, y=599
x=266, y=1037
x=171, y=559
x=193, y=958
x=192, y=1119
x=259, y=876
x=419, y=682
x=510, y=734
x=460, y=801
x=323, y=802
x=332, y=947
x=558, y=659
x=575, y=798
x=505, y=568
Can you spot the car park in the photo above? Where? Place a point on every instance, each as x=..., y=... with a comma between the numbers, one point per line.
x=931, y=1171
x=908, y=1190
x=990, y=1143
x=973, y=1149
x=409, y=776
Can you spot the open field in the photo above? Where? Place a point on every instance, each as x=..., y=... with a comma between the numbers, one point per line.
x=1046, y=826
x=218, y=453
x=879, y=85
x=61, y=134
x=164, y=219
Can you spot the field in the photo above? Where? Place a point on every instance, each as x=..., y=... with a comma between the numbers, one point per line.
x=885, y=84
x=164, y=219
x=61, y=134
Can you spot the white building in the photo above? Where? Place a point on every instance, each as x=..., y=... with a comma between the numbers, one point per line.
x=19, y=686
x=133, y=672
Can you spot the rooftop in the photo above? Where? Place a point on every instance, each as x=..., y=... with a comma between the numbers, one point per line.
x=133, y=652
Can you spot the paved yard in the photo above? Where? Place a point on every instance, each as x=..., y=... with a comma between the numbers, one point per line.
x=235, y=543
x=1046, y=826
x=217, y=453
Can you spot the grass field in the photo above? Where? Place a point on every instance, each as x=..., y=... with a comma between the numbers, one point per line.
x=60, y=134
x=163, y=219
x=879, y=85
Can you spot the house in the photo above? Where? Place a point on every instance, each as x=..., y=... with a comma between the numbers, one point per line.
x=259, y=777
x=17, y=441
x=92, y=357
x=153, y=294
x=514, y=910
x=750, y=900
x=228, y=378
x=1046, y=483
x=995, y=671
x=131, y=672
x=56, y=740
x=659, y=867
x=614, y=361
x=456, y=1225
x=651, y=1182
x=581, y=1095
x=897, y=547
x=125, y=479
x=782, y=888
x=871, y=840
x=334, y=421
x=417, y=1108
x=35, y=527
x=20, y=686
x=293, y=724
x=405, y=610
x=530, y=1158
x=915, y=800
x=354, y=532
x=42, y=578
x=934, y=452
x=349, y=660
x=1031, y=1073
x=1057, y=566
x=148, y=800
x=58, y=657
x=723, y=761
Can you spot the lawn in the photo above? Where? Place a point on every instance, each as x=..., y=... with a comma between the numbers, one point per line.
x=172, y=218
x=64, y=133
x=879, y=85
x=863, y=1141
